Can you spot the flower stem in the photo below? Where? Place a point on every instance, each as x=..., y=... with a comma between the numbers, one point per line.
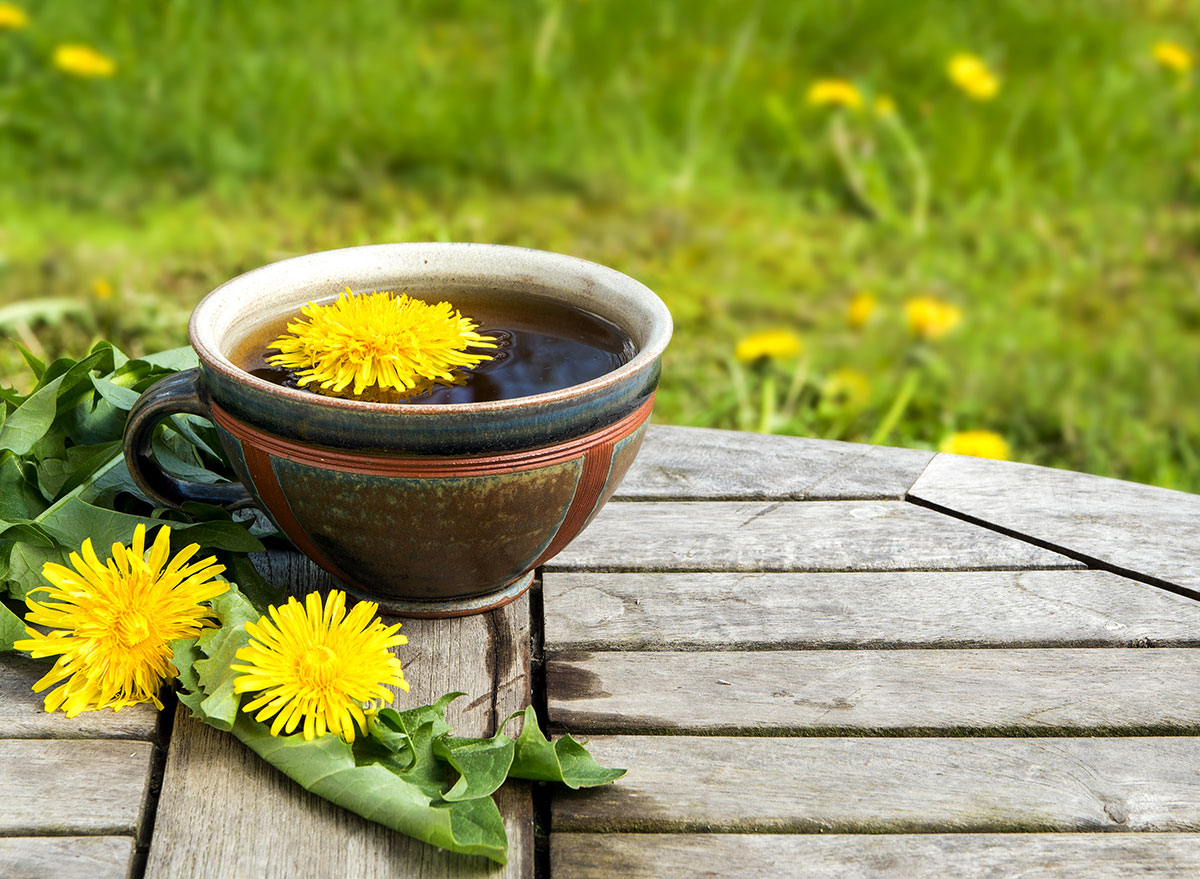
x=767, y=411
x=899, y=404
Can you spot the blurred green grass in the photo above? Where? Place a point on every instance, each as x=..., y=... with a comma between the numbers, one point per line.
x=674, y=142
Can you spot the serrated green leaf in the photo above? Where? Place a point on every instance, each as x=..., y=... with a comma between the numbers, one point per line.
x=76, y=384
x=413, y=718
x=60, y=476
x=26, y=532
x=425, y=770
x=565, y=761
x=172, y=360
x=326, y=766
x=119, y=357
x=200, y=434
x=482, y=764
x=179, y=457
x=35, y=363
x=219, y=645
x=260, y=591
x=120, y=397
x=32, y=419
x=12, y=399
x=25, y=567
x=11, y=628
x=185, y=653
x=93, y=420
x=18, y=499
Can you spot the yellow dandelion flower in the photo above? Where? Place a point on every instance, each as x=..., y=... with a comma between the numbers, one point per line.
x=83, y=61
x=12, y=17
x=834, y=93
x=973, y=77
x=977, y=444
x=380, y=340
x=102, y=289
x=931, y=318
x=848, y=388
x=319, y=664
x=1172, y=56
x=768, y=345
x=862, y=306
x=112, y=623
x=884, y=107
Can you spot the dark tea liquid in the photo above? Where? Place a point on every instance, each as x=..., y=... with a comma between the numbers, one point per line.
x=542, y=346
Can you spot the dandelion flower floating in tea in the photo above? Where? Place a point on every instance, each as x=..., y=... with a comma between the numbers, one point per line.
x=112, y=623
x=381, y=340
x=317, y=664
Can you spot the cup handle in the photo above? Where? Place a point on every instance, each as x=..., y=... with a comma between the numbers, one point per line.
x=175, y=394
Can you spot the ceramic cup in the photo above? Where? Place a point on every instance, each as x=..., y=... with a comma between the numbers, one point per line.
x=430, y=510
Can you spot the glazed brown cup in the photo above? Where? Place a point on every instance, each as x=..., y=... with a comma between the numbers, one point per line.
x=431, y=510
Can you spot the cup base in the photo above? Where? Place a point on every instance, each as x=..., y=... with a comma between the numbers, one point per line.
x=450, y=607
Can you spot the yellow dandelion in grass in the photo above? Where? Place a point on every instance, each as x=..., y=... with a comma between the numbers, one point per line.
x=931, y=318
x=977, y=444
x=768, y=345
x=972, y=76
x=834, y=93
x=316, y=663
x=862, y=306
x=848, y=388
x=83, y=61
x=379, y=340
x=112, y=623
x=884, y=107
x=102, y=289
x=12, y=17
x=1172, y=56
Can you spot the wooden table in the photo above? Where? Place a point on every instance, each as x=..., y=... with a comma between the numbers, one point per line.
x=817, y=659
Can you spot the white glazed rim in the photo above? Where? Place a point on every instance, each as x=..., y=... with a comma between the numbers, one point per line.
x=282, y=287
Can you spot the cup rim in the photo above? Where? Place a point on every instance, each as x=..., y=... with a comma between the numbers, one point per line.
x=207, y=346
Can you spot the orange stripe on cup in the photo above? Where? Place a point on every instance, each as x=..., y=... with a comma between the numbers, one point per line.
x=386, y=464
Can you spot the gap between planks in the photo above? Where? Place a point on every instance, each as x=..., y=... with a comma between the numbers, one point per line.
x=1091, y=561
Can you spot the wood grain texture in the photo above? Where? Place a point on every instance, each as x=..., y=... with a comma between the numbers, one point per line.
x=890, y=785
x=791, y=536
x=66, y=857
x=1139, y=528
x=881, y=856
x=66, y=787
x=270, y=827
x=835, y=691
x=656, y=610
x=700, y=464
x=23, y=714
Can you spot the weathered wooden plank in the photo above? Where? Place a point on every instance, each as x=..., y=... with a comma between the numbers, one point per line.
x=788, y=536
x=874, y=856
x=890, y=785
x=64, y=787
x=879, y=690
x=269, y=827
x=1139, y=528
x=66, y=857
x=23, y=714
x=700, y=464
x=656, y=610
